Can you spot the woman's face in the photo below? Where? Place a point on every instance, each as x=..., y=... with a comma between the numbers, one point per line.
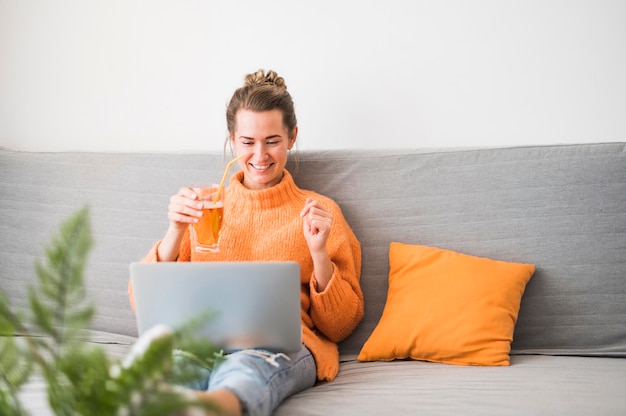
x=264, y=141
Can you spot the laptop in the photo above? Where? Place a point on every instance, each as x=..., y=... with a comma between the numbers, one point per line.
x=246, y=304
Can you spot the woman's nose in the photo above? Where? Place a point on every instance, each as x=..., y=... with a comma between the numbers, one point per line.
x=260, y=152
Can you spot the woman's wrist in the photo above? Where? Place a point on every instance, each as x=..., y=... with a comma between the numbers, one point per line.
x=170, y=244
x=322, y=269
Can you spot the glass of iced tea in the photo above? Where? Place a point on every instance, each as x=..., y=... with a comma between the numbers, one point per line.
x=205, y=234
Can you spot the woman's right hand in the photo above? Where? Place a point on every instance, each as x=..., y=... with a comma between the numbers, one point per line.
x=184, y=209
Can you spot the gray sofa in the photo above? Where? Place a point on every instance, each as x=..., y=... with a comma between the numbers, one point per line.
x=561, y=208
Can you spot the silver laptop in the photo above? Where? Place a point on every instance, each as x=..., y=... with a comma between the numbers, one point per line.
x=248, y=304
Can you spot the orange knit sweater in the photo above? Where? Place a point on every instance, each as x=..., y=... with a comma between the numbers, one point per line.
x=266, y=225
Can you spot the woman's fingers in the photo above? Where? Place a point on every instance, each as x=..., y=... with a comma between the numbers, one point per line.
x=184, y=207
x=317, y=219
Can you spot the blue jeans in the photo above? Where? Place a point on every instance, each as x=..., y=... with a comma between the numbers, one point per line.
x=260, y=379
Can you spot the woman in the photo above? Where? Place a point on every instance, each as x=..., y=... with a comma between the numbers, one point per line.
x=267, y=217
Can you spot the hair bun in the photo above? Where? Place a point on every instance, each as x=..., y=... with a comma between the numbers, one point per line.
x=260, y=77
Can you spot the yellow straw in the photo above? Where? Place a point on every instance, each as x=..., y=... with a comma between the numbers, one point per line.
x=219, y=190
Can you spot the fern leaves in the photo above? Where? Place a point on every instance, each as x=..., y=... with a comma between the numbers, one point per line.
x=80, y=378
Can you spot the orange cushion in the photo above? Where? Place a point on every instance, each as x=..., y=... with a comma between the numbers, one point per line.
x=448, y=307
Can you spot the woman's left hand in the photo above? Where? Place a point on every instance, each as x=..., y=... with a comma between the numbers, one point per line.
x=316, y=225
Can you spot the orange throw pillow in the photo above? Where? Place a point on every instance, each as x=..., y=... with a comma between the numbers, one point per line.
x=448, y=307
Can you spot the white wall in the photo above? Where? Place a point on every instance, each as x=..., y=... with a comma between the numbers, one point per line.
x=155, y=75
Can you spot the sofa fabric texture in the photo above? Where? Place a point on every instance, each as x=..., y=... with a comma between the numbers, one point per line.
x=561, y=208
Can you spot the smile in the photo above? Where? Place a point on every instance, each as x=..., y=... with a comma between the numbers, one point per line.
x=261, y=167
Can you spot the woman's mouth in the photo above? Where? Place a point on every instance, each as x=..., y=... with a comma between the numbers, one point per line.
x=261, y=167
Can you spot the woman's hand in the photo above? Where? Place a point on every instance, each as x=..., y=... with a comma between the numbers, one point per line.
x=184, y=209
x=317, y=222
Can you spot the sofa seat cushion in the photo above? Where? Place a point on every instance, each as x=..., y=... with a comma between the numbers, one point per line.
x=531, y=385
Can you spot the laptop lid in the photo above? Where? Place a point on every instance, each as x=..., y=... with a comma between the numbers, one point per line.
x=249, y=304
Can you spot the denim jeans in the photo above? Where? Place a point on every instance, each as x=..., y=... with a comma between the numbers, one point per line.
x=259, y=378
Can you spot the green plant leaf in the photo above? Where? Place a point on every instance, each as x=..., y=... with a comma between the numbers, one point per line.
x=58, y=302
x=81, y=379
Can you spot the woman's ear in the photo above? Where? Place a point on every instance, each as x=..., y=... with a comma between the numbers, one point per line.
x=292, y=138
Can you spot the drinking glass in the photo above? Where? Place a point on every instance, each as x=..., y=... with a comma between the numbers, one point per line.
x=205, y=234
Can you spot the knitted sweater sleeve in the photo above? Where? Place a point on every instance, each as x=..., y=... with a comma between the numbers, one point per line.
x=184, y=251
x=338, y=309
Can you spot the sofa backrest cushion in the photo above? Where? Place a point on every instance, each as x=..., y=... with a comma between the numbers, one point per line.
x=561, y=208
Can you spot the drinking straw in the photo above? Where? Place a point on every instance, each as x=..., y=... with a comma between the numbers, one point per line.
x=219, y=190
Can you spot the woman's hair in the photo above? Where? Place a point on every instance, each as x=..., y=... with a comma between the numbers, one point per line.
x=262, y=92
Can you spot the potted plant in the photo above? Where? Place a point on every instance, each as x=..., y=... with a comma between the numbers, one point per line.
x=49, y=342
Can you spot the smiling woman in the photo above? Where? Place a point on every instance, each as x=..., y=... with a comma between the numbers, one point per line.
x=262, y=126
x=267, y=217
x=264, y=142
